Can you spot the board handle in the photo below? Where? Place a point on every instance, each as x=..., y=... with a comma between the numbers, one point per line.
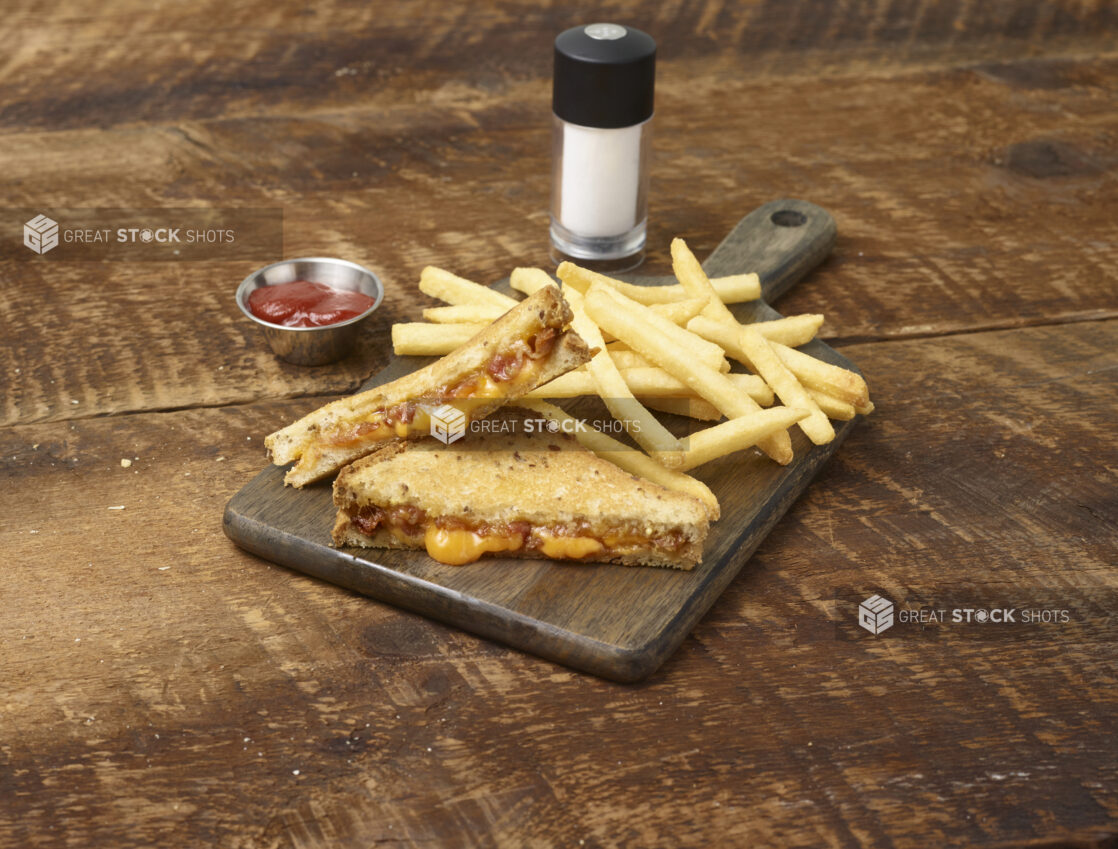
x=781, y=241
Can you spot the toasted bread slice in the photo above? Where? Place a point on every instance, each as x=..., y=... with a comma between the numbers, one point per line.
x=525, y=348
x=514, y=488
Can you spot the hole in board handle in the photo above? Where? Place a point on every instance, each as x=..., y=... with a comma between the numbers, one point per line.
x=788, y=218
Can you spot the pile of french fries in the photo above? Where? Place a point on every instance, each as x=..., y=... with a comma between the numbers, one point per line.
x=665, y=348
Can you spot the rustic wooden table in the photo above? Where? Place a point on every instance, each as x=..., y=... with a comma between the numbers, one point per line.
x=162, y=688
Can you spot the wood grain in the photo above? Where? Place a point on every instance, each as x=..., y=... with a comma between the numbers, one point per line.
x=207, y=60
x=982, y=201
x=967, y=151
x=764, y=729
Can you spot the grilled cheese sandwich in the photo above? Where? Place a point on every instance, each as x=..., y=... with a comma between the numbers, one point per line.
x=523, y=349
x=519, y=491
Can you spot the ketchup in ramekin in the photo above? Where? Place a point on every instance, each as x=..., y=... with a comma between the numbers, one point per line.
x=304, y=303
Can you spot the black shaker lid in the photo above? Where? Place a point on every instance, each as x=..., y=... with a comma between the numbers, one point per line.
x=605, y=76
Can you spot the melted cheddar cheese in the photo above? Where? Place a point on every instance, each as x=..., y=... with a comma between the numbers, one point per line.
x=480, y=389
x=458, y=547
x=572, y=548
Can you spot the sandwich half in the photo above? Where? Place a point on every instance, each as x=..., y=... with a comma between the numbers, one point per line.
x=515, y=489
x=524, y=348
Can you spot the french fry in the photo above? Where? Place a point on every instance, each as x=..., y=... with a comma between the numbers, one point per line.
x=646, y=383
x=792, y=331
x=831, y=379
x=430, y=340
x=864, y=409
x=755, y=387
x=747, y=344
x=834, y=380
x=736, y=288
x=641, y=425
x=692, y=408
x=419, y=338
x=754, y=341
x=832, y=408
x=463, y=314
x=441, y=284
x=573, y=384
x=626, y=457
x=793, y=370
x=731, y=290
x=625, y=358
x=763, y=359
x=736, y=434
x=629, y=321
x=699, y=349
x=692, y=277
x=530, y=280
x=680, y=312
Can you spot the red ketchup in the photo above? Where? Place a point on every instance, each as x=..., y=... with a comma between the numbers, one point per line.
x=302, y=303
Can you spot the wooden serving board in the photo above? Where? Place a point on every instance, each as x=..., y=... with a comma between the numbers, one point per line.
x=614, y=621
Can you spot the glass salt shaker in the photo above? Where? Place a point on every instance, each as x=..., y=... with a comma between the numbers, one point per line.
x=602, y=104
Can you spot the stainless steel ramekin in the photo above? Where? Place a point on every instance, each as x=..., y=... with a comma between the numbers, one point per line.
x=313, y=346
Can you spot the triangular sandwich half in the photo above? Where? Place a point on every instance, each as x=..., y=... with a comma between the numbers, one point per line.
x=525, y=348
x=516, y=489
